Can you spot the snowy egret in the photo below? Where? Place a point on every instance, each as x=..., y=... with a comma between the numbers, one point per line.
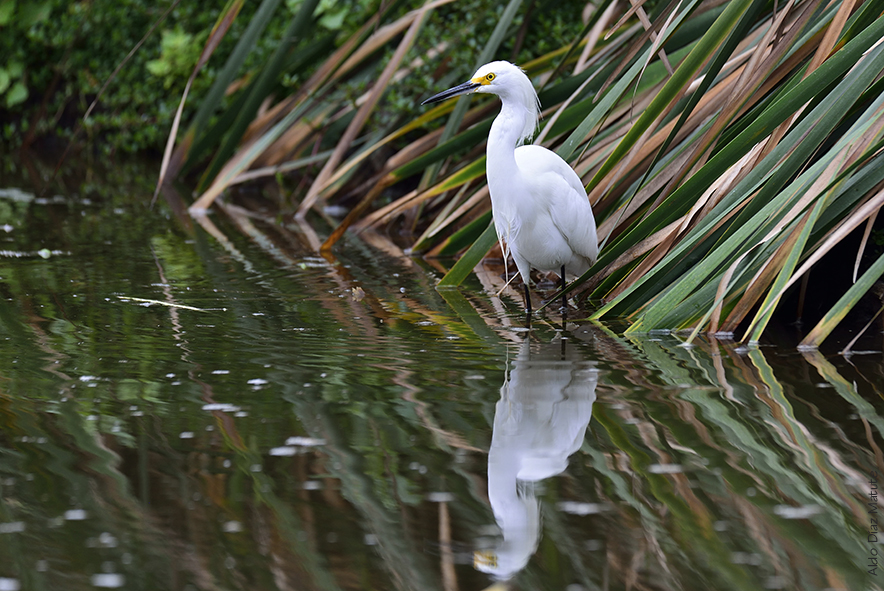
x=540, y=420
x=540, y=209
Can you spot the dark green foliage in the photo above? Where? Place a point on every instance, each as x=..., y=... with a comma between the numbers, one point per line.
x=68, y=50
x=58, y=54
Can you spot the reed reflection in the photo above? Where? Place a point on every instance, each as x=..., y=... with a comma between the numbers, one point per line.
x=540, y=420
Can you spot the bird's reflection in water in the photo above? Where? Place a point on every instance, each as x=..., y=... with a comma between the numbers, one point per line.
x=541, y=418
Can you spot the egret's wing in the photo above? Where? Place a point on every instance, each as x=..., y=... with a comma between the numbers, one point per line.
x=539, y=161
x=571, y=213
x=557, y=187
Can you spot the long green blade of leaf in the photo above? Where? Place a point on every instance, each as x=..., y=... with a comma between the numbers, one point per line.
x=777, y=112
x=298, y=29
x=844, y=305
x=460, y=109
x=244, y=159
x=674, y=86
x=222, y=25
x=213, y=97
x=465, y=236
x=767, y=307
x=472, y=257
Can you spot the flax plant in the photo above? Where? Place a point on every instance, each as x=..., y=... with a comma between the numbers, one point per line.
x=726, y=147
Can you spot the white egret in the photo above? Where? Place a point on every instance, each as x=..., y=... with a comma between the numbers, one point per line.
x=540, y=420
x=541, y=212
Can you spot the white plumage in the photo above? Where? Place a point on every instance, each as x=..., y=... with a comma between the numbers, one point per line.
x=540, y=420
x=541, y=212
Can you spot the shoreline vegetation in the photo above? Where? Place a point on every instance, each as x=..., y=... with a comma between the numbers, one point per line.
x=731, y=150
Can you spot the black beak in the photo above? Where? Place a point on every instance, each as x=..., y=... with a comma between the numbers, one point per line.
x=458, y=90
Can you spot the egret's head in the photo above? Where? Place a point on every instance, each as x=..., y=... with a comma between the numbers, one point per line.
x=507, y=81
x=502, y=78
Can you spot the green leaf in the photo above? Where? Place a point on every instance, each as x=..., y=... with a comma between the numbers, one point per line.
x=673, y=87
x=17, y=94
x=461, y=141
x=472, y=257
x=30, y=13
x=769, y=303
x=844, y=305
x=215, y=95
x=7, y=8
x=333, y=20
x=261, y=88
x=15, y=68
x=245, y=158
x=770, y=175
x=615, y=94
x=159, y=67
x=610, y=98
x=463, y=237
x=460, y=109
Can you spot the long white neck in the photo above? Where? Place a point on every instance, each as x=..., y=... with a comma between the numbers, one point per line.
x=512, y=124
x=507, y=132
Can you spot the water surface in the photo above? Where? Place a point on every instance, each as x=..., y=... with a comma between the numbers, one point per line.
x=214, y=406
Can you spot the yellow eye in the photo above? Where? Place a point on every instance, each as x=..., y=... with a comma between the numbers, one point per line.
x=489, y=77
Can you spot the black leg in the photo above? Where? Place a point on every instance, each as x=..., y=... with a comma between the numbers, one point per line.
x=527, y=300
x=564, y=297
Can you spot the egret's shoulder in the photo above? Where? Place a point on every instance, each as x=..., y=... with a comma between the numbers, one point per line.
x=535, y=156
x=536, y=161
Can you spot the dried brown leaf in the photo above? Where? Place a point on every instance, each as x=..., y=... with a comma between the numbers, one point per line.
x=362, y=115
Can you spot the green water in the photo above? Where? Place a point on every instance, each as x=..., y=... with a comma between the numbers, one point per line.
x=188, y=406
